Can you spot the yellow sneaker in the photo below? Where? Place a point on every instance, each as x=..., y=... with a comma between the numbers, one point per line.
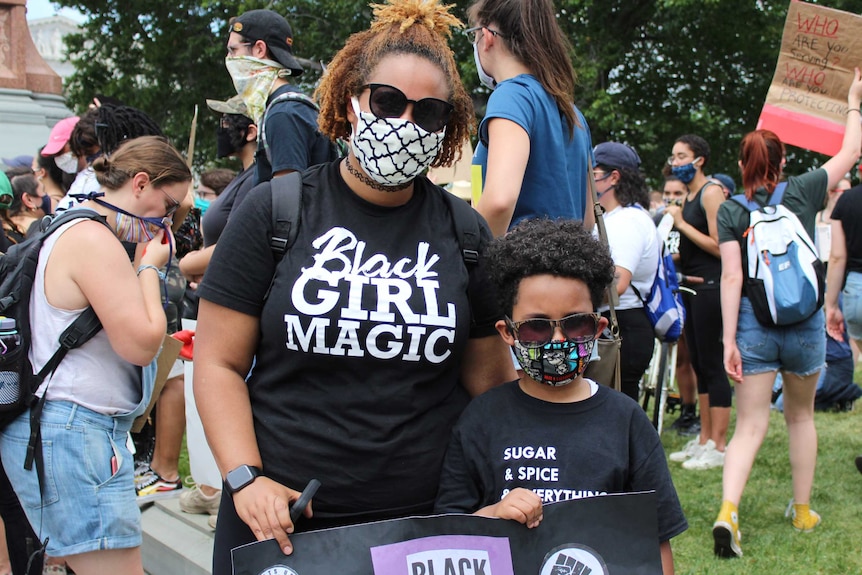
x=803, y=518
x=725, y=532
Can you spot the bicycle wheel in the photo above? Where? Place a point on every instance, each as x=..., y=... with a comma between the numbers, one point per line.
x=650, y=381
x=660, y=391
x=668, y=377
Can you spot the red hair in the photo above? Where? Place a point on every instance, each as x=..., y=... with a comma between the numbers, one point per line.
x=760, y=153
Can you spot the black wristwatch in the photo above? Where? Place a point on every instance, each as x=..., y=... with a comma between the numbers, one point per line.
x=240, y=477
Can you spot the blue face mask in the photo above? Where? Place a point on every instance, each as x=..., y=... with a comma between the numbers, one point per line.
x=46, y=205
x=202, y=205
x=685, y=173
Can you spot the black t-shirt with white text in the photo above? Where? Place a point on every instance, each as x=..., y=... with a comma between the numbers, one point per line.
x=604, y=444
x=356, y=381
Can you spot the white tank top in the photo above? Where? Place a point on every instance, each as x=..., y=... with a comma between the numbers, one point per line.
x=92, y=375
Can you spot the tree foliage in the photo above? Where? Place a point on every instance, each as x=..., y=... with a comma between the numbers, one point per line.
x=649, y=70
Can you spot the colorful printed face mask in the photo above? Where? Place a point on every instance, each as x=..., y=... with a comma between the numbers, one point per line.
x=132, y=228
x=556, y=363
x=253, y=79
x=392, y=151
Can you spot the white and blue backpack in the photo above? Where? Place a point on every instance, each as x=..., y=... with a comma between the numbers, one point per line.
x=784, y=277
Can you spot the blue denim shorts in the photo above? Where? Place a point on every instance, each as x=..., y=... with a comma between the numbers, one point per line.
x=799, y=349
x=87, y=506
x=852, y=306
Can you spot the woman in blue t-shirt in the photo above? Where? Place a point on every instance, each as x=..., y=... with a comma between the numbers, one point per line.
x=533, y=142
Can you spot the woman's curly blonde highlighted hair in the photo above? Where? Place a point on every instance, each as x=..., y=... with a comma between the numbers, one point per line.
x=419, y=27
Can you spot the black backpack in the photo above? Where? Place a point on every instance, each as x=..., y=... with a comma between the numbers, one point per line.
x=18, y=383
x=287, y=207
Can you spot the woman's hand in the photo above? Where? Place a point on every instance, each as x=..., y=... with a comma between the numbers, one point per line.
x=835, y=323
x=855, y=94
x=676, y=214
x=158, y=250
x=521, y=505
x=264, y=507
x=732, y=362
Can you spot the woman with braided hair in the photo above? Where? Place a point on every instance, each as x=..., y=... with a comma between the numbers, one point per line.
x=99, y=132
x=372, y=331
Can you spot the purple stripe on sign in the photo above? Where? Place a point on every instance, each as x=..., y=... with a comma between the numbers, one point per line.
x=432, y=556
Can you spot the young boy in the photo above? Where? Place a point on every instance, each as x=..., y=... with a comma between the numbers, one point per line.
x=553, y=435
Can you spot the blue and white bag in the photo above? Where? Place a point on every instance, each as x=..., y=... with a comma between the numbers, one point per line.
x=663, y=304
x=784, y=277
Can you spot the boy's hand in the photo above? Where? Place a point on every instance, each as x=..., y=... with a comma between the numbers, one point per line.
x=521, y=505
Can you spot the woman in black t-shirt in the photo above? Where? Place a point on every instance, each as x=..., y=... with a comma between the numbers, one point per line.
x=698, y=257
x=371, y=331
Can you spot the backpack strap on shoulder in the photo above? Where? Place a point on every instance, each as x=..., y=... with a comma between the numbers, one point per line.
x=752, y=206
x=286, y=96
x=77, y=334
x=466, y=223
x=286, y=194
x=777, y=194
x=749, y=205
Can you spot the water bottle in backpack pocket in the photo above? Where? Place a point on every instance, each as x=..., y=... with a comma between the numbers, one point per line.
x=11, y=358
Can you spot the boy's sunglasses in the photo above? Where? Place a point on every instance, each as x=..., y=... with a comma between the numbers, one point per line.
x=536, y=332
x=430, y=114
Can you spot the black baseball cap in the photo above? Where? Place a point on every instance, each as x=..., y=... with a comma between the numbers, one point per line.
x=273, y=29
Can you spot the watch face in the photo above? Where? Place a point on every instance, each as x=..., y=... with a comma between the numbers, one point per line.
x=240, y=477
x=278, y=570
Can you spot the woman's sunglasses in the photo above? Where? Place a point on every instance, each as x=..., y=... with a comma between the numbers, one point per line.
x=430, y=114
x=536, y=332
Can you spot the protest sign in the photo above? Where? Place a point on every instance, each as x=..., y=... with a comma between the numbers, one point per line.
x=605, y=535
x=806, y=105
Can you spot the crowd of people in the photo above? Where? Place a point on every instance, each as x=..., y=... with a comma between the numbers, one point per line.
x=374, y=348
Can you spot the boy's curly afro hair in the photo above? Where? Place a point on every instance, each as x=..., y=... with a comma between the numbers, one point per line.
x=541, y=246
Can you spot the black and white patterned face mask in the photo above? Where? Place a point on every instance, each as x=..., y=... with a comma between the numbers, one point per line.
x=392, y=151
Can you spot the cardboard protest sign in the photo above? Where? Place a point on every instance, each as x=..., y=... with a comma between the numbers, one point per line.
x=602, y=535
x=806, y=105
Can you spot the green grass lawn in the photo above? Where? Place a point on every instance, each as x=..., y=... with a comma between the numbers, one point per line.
x=769, y=543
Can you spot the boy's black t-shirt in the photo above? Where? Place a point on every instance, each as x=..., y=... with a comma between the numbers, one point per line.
x=356, y=381
x=605, y=444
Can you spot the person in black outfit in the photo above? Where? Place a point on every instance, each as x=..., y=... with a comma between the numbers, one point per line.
x=371, y=332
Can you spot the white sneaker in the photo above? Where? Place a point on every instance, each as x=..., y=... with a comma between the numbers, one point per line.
x=692, y=449
x=708, y=459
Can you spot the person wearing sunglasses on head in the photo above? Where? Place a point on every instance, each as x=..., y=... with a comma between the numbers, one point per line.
x=551, y=276
x=375, y=330
x=533, y=142
x=98, y=389
x=261, y=63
